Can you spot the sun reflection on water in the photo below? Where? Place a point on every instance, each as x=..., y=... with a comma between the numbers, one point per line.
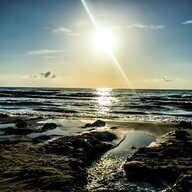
x=104, y=99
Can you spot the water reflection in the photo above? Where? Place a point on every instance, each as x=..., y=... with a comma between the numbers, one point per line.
x=108, y=173
x=104, y=99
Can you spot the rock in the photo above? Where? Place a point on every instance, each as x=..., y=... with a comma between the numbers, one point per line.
x=133, y=148
x=17, y=120
x=56, y=164
x=184, y=125
x=76, y=165
x=184, y=182
x=21, y=124
x=98, y=123
x=114, y=127
x=180, y=135
x=86, y=125
x=49, y=126
x=169, y=161
x=2, y=115
x=103, y=135
x=20, y=131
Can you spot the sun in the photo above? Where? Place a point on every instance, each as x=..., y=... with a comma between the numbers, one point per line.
x=104, y=41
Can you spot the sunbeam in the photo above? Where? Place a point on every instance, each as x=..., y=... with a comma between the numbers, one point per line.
x=107, y=48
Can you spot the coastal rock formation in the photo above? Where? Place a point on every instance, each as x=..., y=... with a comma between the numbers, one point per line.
x=48, y=126
x=2, y=115
x=14, y=131
x=97, y=123
x=21, y=124
x=102, y=135
x=21, y=128
x=50, y=163
x=184, y=125
x=166, y=163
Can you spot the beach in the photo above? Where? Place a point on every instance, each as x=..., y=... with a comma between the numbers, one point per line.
x=94, y=139
x=39, y=157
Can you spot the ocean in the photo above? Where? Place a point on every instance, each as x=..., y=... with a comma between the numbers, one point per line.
x=106, y=104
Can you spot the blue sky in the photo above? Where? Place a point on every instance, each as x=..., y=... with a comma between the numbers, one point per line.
x=49, y=43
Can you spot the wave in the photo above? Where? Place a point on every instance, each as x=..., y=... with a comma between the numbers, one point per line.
x=85, y=103
x=60, y=110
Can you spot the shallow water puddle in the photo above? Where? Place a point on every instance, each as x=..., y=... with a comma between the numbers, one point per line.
x=5, y=125
x=107, y=173
x=64, y=127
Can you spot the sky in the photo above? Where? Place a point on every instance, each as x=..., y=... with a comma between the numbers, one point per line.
x=145, y=44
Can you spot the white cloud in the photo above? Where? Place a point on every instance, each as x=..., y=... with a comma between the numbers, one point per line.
x=65, y=30
x=165, y=79
x=44, y=52
x=81, y=23
x=62, y=30
x=187, y=22
x=145, y=27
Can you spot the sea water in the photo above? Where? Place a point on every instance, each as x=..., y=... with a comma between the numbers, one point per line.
x=109, y=104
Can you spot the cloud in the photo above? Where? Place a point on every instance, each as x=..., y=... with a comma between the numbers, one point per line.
x=62, y=30
x=44, y=52
x=81, y=23
x=145, y=27
x=166, y=79
x=47, y=75
x=187, y=22
x=65, y=30
x=34, y=76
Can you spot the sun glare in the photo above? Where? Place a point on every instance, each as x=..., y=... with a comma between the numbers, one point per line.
x=104, y=41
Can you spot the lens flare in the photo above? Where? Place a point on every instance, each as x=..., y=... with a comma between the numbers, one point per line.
x=105, y=43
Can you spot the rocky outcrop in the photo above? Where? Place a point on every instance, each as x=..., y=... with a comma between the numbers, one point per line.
x=2, y=115
x=97, y=123
x=184, y=125
x=21, y=128
x=49, y=126
x=50, y=163
x=102, y=135
x=20, y=131
x=21, y=124
x=166, y=162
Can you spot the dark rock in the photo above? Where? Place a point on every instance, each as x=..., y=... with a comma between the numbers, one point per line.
x=21, y=131
x=86, y=125
x=98, y=123
x=76, y=165
x=183, y=182
x=49, y=126
x=133, y=148
x=2, y=115
x=21, y=124
x=167, y=162
x=17, y=120
x=58, y=164
x=184, y=125
x=180, y=135
x=114, y=127
x=103, y=135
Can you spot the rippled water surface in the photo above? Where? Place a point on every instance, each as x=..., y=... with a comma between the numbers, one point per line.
x=107, y=173
x=139, y=105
